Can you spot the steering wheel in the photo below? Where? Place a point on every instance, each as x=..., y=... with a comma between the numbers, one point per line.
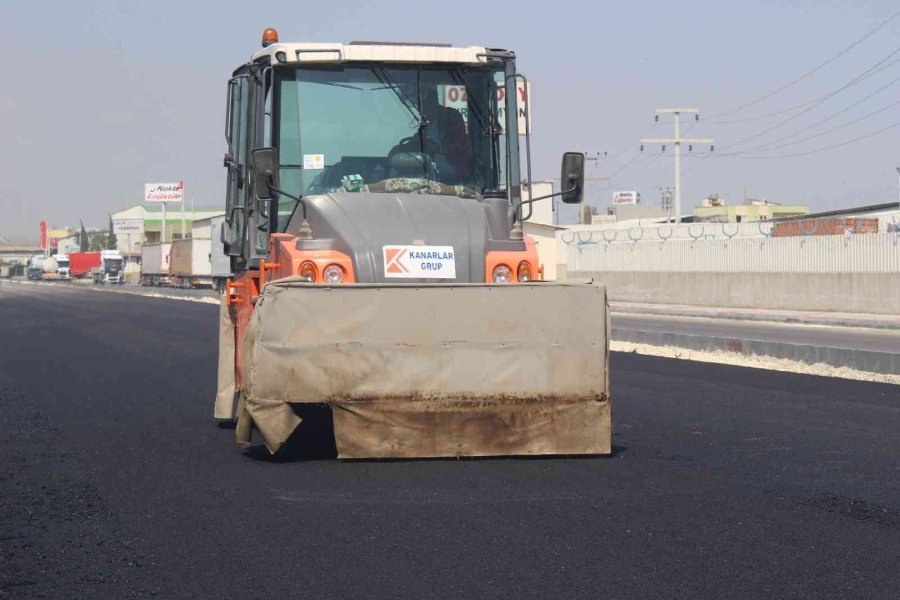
x=430, y=147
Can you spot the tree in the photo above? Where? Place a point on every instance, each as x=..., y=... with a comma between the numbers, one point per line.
x=97, y=240
x=83, y=241
x=112, y=241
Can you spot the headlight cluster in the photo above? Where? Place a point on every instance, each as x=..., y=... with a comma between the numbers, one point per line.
x=330, y=274
x=503, y=273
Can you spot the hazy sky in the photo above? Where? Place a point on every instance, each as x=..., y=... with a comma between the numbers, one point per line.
x=100, y=97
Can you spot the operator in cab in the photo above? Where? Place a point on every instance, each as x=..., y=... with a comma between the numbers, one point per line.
x=442, y=138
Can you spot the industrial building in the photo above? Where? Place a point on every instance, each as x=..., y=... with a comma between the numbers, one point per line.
x=138, y=225
x=715, y=209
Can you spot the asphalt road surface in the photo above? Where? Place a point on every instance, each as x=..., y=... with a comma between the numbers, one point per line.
x=725, y=482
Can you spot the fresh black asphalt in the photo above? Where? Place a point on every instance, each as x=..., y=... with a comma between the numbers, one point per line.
x=725, y=483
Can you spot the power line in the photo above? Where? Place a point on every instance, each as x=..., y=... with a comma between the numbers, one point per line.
x=802, y=104
x=636, y=156
x=812, y=71
x=832, y=130
x=776, y=143
x=826, y=148
x=803, y=112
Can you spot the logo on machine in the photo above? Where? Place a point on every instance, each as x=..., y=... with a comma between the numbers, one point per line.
x=420, y=262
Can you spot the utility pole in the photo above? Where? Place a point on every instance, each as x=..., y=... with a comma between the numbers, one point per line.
x=677, y=141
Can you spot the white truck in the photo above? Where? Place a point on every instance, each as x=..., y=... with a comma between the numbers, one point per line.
x=62, y=266
x=111, y=269
x=45, y=268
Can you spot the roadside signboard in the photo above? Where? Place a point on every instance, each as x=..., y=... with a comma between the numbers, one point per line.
x=454, y=96
x=626, y=197
x=128, y=226
x=164, y=192
x=68, y=245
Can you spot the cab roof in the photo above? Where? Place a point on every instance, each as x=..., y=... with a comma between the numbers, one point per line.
x=312, y=52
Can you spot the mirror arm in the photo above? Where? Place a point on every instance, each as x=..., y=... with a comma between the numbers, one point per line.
x=521, y=203
x=270, y=177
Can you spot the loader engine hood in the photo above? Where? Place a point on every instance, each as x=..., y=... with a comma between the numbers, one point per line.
x=362, y=224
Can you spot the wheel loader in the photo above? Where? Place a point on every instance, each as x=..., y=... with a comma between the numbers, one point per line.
x=374, y=221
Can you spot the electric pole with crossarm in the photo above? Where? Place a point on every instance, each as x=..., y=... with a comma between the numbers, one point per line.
x=677, y=141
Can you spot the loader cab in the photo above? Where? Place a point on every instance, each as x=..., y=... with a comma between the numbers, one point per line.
x=357, y=129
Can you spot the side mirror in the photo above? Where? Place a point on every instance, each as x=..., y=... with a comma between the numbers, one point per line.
x=264, y=165
x=571, y=179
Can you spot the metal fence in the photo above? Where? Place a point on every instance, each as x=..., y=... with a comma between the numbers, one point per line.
x=649, y=231
x=627, y=250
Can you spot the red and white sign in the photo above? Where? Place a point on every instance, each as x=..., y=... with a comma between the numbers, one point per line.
x=164, y=192
x=419, y=262
x=627, y=197
x=54, y=243
x=43, y=235
x=454, y=96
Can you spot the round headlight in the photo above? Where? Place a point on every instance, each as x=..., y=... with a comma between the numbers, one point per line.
x=524, y=271
x=501, y=274
x=308, y=271
x=333, y=274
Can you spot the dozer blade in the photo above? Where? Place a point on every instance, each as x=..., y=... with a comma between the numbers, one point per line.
x=433, y=370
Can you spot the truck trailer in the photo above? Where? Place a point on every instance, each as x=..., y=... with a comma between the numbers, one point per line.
x=373, y=218
x=200, y=261
x=82, y=263
x=155, y=264
x=191, y=263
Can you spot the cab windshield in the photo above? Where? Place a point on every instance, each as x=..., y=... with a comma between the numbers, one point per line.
x=410, y=129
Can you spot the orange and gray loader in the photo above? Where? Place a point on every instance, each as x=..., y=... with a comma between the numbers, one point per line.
x=374, y=221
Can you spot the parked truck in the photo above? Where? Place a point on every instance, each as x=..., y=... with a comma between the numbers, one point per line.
x=191, y=264
x=220, y=263
x=155, y=264
x=111, y=269
x=41, y=267
x=36, y=267
x=62, y=266
x=82, y=263
x=381, y=273
x=198, y=261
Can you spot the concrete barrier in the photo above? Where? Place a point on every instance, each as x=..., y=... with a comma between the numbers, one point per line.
x=877, y=293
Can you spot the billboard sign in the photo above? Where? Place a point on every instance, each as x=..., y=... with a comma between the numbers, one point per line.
x=68, y=245
x=128, y=227
x=626, y=197
x=164, y=192
x=454, y=96
x=43, y=235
